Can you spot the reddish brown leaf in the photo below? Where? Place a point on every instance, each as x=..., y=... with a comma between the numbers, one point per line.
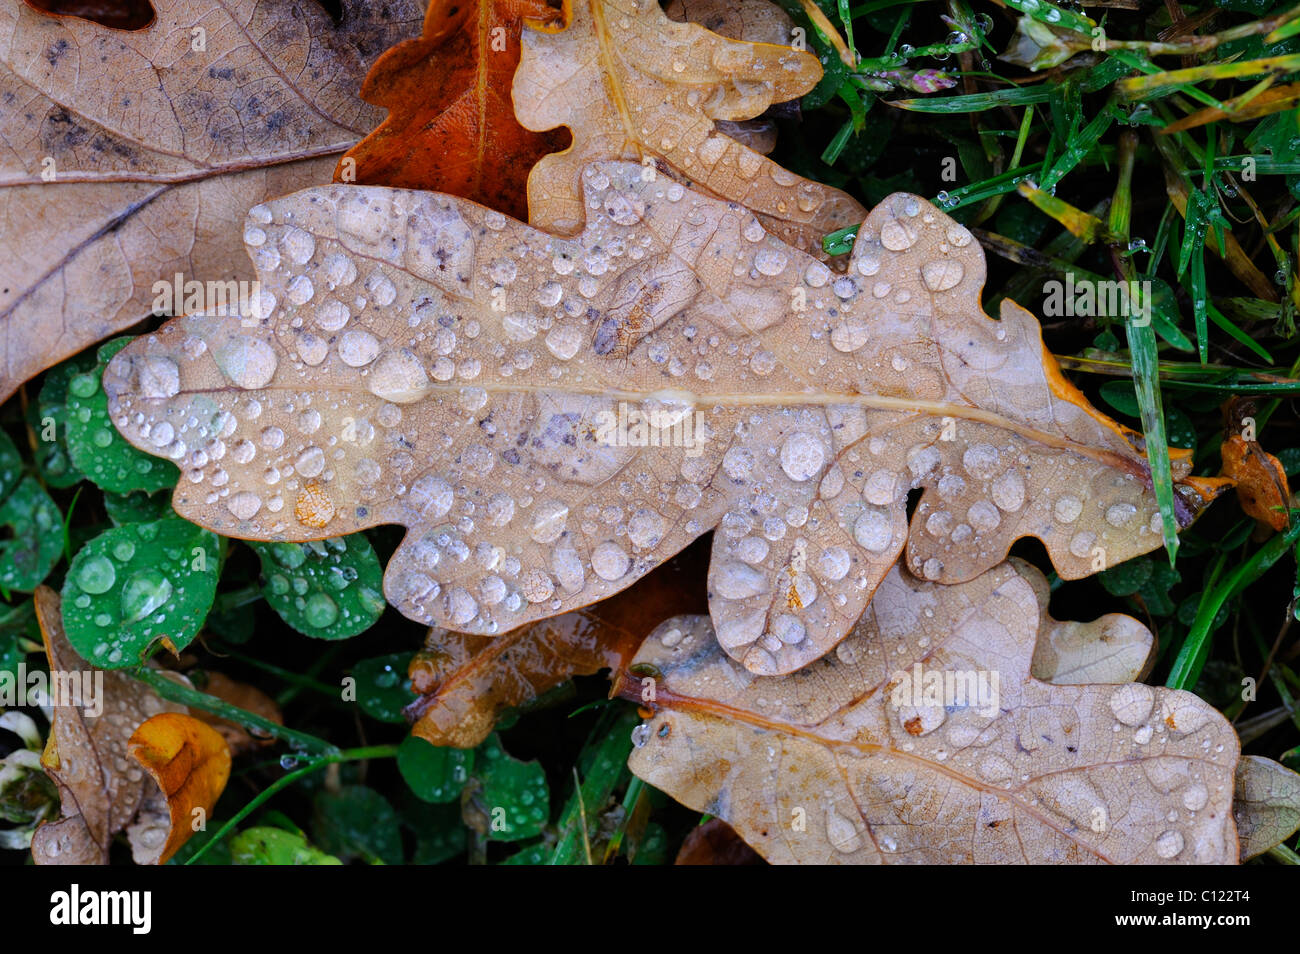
x=115, y=14
x=451, y=125
x=244, y=696
x=716, y=843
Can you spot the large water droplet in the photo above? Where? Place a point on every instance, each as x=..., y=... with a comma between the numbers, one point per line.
x=144, y=592
x=96, y=575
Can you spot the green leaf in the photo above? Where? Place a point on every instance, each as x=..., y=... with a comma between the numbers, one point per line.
x=357, y=822
x=653, y=847
x=97, y=449
x=138, y=507
x=435, y=773
x=274, y=846
x=513, y=793
x=601, y=763
x=383, y=688
x=133, y=585
x=48, y=417
x=27, y=558
x=439, y=832
x=329, y=589
x=11, y=465
x=1126, y=578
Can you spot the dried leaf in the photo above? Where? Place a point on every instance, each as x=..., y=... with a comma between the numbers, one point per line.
x=451, y=125
x=716, y=843
x=758, y=21
x=1267, y=804
x=507, y=395
x=1260, y=478
x=116, y=14
x=246, y=697
x=1110, y=650
x=100, y=791
x=629, y=83
x=466, y=681
x=156, y=149
x=924, y=739
x=190, y=762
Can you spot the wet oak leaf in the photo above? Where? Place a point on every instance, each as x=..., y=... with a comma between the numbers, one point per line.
x=553, y=417
x=852, y=760
x=129, y=157
x=1111, y=649
x=101, y=790
x=1267, y=804
x=630, y=83
x=451, y=125
x=190, y=762
x=466, y=681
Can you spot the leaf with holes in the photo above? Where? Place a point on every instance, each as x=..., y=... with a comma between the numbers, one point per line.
x=553, y=417
x=924, y=738
x=632, y=84
x=131, y=157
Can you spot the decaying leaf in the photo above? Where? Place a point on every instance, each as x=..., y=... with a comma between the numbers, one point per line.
x=190, y=762
x=1260, y=478
x=553, y=417
x=451, y=125
x=101, y=790
x=465, y=681
x=142, y=167
x=246, y=697
x=924, y=739
x=630, y=83
x=117, y=14
x=715, y=843
x=1109, y=650
x=1267, y=804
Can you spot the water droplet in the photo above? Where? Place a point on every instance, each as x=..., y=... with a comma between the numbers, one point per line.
x=143, y=593
x=320, y=611
x=96, y=575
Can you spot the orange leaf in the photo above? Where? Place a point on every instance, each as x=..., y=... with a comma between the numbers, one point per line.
x=190, y=761
x=451, y=126
x=1262, y=488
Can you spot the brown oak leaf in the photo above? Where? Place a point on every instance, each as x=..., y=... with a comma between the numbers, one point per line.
x=630, y=83
x=451, y=125
x=553, y=417
x=130, y=157
x=925, y=739
x=465, y=681
x=1267, y=804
